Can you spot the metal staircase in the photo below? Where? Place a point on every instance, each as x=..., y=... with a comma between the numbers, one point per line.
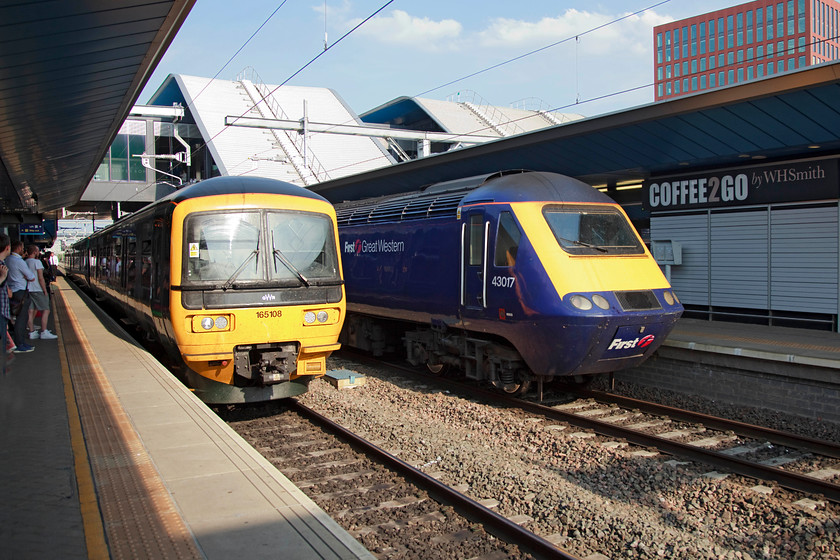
x=293, y=144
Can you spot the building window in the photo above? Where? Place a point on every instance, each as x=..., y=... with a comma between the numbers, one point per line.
x=694, y=84
x=721, y=60
x=750, y=57
x=780, y=48
x=749, y=72
x=711, y=80
x=791, y=18
x=780, y=66
x=730, y=57
x=659, y=90
x=740, y=56
x=703, y=81
x=668, y=88
x=667, y=46
x=740, y=20
x=711, y=63
x=801, y=61
x=721, y=33
x=711, y=35
x=694, y=40
x=685, y=68
x=694, y=66
x=721, y=81
x=685, y=85
x=749, y=27
x=685, y=42
x=676, y=87
x=676, y=44
x=759, y=71
x=703, y=64
x=769, y=50
x=769, y=68
x=780, y=20
x=759, y=25
x=120, y=163
x=759, y=52
x=740, y=75
x=769, y=22
x=730, y=32
x=800, y=10
x=668, y=72
x=702, y=37
x=730, y=77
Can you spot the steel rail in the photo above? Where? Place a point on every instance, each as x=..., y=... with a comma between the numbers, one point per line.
x=777, y=437
x=494, y=523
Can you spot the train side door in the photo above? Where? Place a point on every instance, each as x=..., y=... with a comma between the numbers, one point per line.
x=475, y=237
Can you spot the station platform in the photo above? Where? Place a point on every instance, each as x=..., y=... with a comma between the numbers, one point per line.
x=107, y=455
x=772, y=344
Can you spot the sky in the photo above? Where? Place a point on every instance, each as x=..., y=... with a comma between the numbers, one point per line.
x=453, y=49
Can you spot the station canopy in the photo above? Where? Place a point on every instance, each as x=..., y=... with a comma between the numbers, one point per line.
x=69, y=74
x=795, y=114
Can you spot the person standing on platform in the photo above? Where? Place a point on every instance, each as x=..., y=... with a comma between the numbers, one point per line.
x=5, y=249
x=19, y=275
x=38, y=294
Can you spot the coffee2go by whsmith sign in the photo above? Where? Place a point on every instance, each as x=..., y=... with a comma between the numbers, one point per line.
x=784, y=182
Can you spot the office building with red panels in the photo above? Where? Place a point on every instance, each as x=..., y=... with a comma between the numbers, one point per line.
x=744, y=42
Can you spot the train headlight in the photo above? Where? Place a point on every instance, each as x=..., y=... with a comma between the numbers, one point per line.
x=221, y=323
x=601, y=301
x=207, y=323
x=323, y=316
x=581, y=302
x=669, y=297
x=309, y=317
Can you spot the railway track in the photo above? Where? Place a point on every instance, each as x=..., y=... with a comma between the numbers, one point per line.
x=794, y=462
x=393, y=508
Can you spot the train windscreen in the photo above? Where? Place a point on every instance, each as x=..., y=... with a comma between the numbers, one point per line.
x=592, y=230
x=230, y=249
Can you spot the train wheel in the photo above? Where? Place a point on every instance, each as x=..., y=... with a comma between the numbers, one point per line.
x=436, y=368
x=520, y=385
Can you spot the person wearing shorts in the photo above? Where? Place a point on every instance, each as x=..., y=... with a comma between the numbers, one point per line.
x=38, y=295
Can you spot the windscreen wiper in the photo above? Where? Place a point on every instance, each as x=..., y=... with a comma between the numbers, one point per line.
x=242, y=266
x=280, y=256
x=583, y=244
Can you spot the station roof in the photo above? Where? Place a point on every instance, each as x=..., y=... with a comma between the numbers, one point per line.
x=69, y=74
x=774, y=118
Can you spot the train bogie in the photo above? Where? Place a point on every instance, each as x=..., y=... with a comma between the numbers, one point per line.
x=239, y=281
x=507, y=277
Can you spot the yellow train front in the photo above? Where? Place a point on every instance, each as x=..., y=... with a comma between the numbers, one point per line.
x=237, y=278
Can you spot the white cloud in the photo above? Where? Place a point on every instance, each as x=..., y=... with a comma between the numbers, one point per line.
x=632, y=32
x=400, y=28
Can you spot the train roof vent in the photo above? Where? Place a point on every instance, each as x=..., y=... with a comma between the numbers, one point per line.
x=404, y=208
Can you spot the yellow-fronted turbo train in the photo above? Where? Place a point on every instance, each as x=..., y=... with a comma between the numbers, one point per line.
x=238, y=279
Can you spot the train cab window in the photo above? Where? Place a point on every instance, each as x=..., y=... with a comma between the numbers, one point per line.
x=222, y=247
x=507, y=240
x=476, y=239
x=302, y=248
x=592, y=230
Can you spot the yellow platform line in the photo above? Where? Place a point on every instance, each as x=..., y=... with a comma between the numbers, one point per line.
x=97, y=547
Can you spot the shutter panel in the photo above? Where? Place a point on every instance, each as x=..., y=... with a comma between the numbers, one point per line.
x=739, y=259
x=804, y=261
x=690, y=279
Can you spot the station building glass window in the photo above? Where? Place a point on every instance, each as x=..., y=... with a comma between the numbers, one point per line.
x=120, y=163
